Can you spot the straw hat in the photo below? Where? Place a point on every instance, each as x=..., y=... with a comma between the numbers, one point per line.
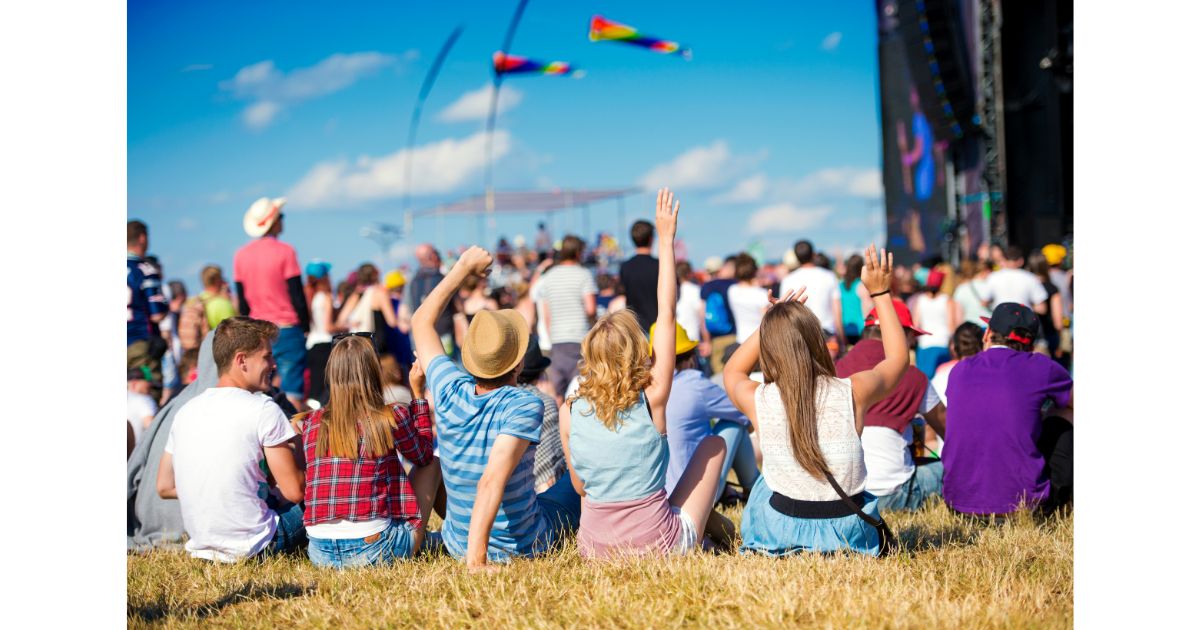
x=261, y=215
x=496, y=343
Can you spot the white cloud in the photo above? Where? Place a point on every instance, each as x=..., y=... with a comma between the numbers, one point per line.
x=831, y=41
x=786, y=217
x=749, y=189
x=269, y=89
x=438, y=167
x=702, y=167
x=474, y=104
x=842, y=181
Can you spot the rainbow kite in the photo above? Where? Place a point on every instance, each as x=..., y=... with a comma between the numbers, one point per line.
x=512, y=64
x=604, y=29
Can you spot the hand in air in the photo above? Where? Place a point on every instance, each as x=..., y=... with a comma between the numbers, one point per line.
x=791, y=296
x=666, y=214
x=877, y=270
x=416, y=380
x=476, y=260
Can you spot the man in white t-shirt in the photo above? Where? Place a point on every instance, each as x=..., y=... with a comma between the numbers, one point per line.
x=1013, y=284
x=821, y=286
x=569, y=293
x=221, y=446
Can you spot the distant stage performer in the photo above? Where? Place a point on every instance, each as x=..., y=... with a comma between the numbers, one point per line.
x=919, y=183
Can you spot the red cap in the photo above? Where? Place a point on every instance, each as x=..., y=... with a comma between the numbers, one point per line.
x=901, y=312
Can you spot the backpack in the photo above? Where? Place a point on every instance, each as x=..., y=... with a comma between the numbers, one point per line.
x=716, y=315
x=193, y=323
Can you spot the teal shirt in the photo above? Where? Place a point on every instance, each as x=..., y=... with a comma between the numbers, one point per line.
x=852, y=315
x=624, y=464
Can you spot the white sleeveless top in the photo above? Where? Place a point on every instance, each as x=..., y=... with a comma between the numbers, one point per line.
x=840, y=443
x=362, y=319
x=935, y=320
x=318, y=331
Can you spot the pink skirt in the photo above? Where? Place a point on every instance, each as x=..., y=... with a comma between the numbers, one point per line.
x=622, y=528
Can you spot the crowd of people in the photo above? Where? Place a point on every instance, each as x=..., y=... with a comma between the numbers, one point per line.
x=532, y=397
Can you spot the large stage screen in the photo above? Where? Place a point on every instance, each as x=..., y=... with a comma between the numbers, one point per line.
x=914, y=162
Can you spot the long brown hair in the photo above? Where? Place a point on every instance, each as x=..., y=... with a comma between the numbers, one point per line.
x=794, y=358
x=615, y=367
x=356, y=406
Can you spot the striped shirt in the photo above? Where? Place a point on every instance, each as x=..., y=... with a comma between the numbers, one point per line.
x=548, y=463
x=563, y=289
x=467, y=426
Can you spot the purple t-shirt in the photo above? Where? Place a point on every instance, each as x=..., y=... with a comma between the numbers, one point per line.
x=993, y=421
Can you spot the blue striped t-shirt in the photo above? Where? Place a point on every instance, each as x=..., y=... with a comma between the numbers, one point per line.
x=467, y=426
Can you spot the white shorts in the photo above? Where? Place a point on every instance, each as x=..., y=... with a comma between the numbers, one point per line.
x=688, y=537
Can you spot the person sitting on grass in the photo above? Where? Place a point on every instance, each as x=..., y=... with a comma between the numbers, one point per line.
x=485, y=426
x=893, y=475
x=694, y=403
x=1009, y=419
x=549, y=465
x=222, y=444
x=360, y=508
x=613, y=432
x=809, y=422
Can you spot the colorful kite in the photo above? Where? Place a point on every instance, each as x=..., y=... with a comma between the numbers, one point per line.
x=512, y=64
x=606, y=30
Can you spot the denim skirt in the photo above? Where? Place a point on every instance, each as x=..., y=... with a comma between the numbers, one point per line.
x=767, y=531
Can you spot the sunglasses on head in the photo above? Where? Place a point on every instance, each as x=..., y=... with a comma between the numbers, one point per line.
x=342, y=335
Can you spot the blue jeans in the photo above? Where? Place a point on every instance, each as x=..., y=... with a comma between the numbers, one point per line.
x=395, y=542
x=562, y=507
x=289, y=531
x=926, y=481
x=739, y=454
x=290, y=359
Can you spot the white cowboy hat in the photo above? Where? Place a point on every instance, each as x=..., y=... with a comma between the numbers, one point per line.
x=261, y=215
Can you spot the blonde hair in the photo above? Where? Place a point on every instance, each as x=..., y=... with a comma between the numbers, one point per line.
x=795, y=358
x=356, y=406
x=616, y=367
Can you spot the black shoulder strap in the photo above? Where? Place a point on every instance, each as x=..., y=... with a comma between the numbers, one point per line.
x=849, y=502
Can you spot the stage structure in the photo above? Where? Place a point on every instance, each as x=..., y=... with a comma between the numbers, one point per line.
x=547, y=202
x=976, y=121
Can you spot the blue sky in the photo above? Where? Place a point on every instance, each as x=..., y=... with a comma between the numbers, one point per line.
x=769, y=134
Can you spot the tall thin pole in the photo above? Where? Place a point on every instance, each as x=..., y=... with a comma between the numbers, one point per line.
x=489, y=192
x=426, y=86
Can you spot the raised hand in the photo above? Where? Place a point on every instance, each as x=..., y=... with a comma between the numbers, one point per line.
x=877, y=270
x=476, y=261
x=666, y=214
x=791, y=296
x=416, y=380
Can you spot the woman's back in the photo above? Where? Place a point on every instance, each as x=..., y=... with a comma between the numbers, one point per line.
x=836, y=434
x=362, y=319
x=624, y=464
x=852, y=307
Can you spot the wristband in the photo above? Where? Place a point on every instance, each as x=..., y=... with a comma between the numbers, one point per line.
x=884, y=292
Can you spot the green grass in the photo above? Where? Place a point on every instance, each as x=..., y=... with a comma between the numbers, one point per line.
x=951, y=573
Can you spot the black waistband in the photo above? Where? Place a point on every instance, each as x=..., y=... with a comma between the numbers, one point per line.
x=814, y=509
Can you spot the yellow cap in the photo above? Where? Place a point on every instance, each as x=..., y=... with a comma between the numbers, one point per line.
x=1054, y=253
x=394, y=279
x=683, y=343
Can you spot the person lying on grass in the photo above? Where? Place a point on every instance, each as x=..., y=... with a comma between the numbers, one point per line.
x=809, y=423
x=360, y=508
x=613, y=432
x=486, y=426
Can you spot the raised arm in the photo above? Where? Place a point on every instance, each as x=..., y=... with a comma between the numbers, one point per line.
x=871, y=386
x=426, y=341
x=666, y=216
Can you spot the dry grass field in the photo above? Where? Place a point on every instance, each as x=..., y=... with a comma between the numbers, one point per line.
x=951, y=574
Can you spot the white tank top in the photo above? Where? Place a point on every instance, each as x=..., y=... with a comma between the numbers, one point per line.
x=318, y=331
x=362, y=319
x=935, y=320
x=839, y=441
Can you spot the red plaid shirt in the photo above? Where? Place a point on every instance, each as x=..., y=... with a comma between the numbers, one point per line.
x=366, y=488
